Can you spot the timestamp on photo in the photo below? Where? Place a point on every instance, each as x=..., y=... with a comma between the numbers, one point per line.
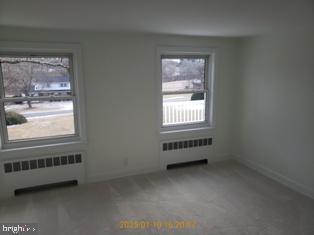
x=157, y=224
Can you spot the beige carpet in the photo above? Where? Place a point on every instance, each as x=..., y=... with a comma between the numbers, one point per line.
x=220, y=198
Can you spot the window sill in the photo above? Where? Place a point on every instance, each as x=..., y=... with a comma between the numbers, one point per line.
x=42, y=150
x=191, y=129
x=197, y=131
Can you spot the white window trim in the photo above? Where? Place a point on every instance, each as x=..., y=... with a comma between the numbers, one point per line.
x=78, y=84
x=211, y=76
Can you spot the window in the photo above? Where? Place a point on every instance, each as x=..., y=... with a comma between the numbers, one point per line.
x=63, y=84
x=186, y=88
x=38, y=98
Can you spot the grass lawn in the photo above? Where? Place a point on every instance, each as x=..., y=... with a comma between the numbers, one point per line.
x=43, y=127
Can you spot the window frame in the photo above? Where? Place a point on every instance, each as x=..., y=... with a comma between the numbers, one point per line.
x=73, y=51
x=186, y=52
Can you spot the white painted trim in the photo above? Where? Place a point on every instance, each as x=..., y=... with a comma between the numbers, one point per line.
x=292, y=184
x=26, y=152
x=187, y=130
x=140, y=171
x=220, y=158
x=120, y=174
x=79, y=102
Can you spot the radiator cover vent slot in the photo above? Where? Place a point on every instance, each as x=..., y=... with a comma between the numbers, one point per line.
x=187, y=164
x=183, y=144
x=33, y=164
x=44, y=187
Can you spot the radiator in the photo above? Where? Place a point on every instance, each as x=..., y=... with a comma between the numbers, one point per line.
x=31, y=172
x=185, y=150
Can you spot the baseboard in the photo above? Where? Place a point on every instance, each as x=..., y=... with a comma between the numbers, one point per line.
x=140, y=171
x=120, y=174
x=277, y=177
x=220, y=158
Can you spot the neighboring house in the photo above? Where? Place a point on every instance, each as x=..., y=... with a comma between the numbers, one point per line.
x=51, y=86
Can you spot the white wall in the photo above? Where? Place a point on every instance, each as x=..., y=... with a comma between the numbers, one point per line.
x=269, y=126
x=274, y=129
x=119, y=72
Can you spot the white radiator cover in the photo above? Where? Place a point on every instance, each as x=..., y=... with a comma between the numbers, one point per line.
x=190, y=153
x=41, y=176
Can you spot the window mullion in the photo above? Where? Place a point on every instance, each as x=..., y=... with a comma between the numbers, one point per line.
x=183, y=92
x=43, y=98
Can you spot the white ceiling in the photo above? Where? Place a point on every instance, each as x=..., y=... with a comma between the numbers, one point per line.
x=190, y=17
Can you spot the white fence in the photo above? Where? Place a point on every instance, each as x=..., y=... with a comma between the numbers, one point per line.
x=183, y=112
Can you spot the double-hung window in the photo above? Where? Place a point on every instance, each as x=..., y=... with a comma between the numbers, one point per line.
x=186, y=88
x=38, y=98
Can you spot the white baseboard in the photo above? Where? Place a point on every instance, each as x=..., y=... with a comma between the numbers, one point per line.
x=278, y=177
x=220, y=158
x=120, y=174
x=140, y=171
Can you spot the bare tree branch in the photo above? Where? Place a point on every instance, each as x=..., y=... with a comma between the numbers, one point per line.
x=34, y=62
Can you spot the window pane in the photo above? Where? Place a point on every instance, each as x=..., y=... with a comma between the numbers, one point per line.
x=43, y=119
x=183, y=108
x=183, y=74
x=36, y=76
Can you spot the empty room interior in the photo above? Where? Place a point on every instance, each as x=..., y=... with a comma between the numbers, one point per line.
x=157, y=117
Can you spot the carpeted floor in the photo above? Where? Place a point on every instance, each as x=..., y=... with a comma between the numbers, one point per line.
x=219, y=198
